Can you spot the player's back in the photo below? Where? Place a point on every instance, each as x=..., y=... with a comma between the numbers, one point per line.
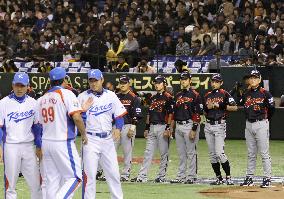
x=56, y=108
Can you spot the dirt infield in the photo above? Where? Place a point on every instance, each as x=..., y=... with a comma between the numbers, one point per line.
x=256, y=192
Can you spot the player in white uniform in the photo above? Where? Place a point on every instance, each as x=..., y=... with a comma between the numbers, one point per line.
x=60, y=112
x=19, y=122
x=100, y=105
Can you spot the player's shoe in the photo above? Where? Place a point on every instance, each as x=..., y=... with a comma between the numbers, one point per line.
x=176, y=181
x=191, y=181
x=102, y=178
x=247, y=182
x=138, y=180
x=99, y=174
x=229, y=181
x=160, y=180
x=266, y=183
x=218, y=181
x=124, y=179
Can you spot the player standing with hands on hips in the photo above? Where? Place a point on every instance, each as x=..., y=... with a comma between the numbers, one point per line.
x=20, y=130
x=187, y=110
x=60, y=112
x=99, y=105
x=157, y=131
x=133, y=106
x=216, y=103
x=259, y=107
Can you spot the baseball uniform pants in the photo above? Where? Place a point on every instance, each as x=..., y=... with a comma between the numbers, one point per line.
x=156, y=139
x=187, y=169
x=257, y=140
x=215, y=137
x=18, y=158
x=127, y=146
x=100, y=150
x=62, y=168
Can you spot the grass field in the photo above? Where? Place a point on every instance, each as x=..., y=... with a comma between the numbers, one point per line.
x=235, y=149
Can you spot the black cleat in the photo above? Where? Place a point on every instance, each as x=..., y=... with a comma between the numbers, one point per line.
x=266, y=183
x=229, y=181
x=218, y=181
x=99, y=175
x=124, y=179
x=176, y=181
x=247, y=182
x=138, y=180
x=190, y=181
x=160, y=180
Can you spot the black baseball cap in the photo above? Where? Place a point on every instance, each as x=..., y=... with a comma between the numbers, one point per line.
x=160, y=79
x=255, y=73
x=124, y=79
x=216, y=77
x=185, y=75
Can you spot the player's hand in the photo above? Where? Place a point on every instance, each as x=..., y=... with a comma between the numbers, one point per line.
x=210, y=105
x=39, y=153
x=84, y=139
x=116, y=134
x=167, y=133
x=1, y=154
x=192, y=134
x=130, y=133
x=86, y=105
x=216, y=105
x=146, y=133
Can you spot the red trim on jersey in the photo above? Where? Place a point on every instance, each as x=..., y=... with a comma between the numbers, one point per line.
x=196, y=118
x=123, y=114
x=60, y=93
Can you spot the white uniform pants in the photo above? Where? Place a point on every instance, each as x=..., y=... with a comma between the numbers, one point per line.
x=21, y=158
x=100, y=150
x=62, y=168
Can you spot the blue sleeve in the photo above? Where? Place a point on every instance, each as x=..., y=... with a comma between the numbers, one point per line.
x=37, y=131
x=84, y=117
x=119, y=122
x=1, y=134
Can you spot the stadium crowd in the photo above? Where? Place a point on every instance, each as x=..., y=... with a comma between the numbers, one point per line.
x=123, y=34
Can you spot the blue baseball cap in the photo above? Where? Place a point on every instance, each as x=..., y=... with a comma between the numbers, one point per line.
x=21, y=78
x=57, y=73
x=217, y=77
x=95, y=73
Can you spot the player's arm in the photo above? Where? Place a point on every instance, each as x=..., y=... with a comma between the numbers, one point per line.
x=77, y=118
x=170, y=110
x=119, y=112
x=137, y=112
x=270, y=104
x=231, y=105
x=197, y=111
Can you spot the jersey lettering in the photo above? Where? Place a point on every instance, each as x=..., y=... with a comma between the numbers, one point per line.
x=17, y=117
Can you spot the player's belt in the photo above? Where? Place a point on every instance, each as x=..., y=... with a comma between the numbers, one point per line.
x=183, y=122
x=155, y=123
x=214, y=122
x=100, y=135
x=255, y=120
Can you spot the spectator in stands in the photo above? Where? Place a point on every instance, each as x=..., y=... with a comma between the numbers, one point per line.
x=271, y=60
x=236, y=43
x=208, y=47
x=275, y=48
x=195, y=47
x=25, y=52
x=147, y=43
x=247, y=50
x=182, y=48
x=168, y=46
x=196, y=34
x=122, y=65
x=9, y=67
x=186, y=37
x=181, y=66
x=114, y=48
x=215, y=64
x=38, y=52
x=144, y=67
x=224, y=44
x=131, y=47
x=45, y=68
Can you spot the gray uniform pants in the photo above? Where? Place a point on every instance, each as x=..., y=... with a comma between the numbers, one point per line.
x=127, y=146
x=257, y=140
x=155, y=139
x=187, y=151
x=215, y=137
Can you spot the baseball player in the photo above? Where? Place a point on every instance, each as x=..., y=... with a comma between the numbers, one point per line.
x=133, y=106
x=19, y=122
x=60, y=113
x=259, y=107
x=187, y=109
x=100, y=105
x=157, y=131
x=216, y=103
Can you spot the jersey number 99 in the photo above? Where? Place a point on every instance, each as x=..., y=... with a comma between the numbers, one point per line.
x=47, y=114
